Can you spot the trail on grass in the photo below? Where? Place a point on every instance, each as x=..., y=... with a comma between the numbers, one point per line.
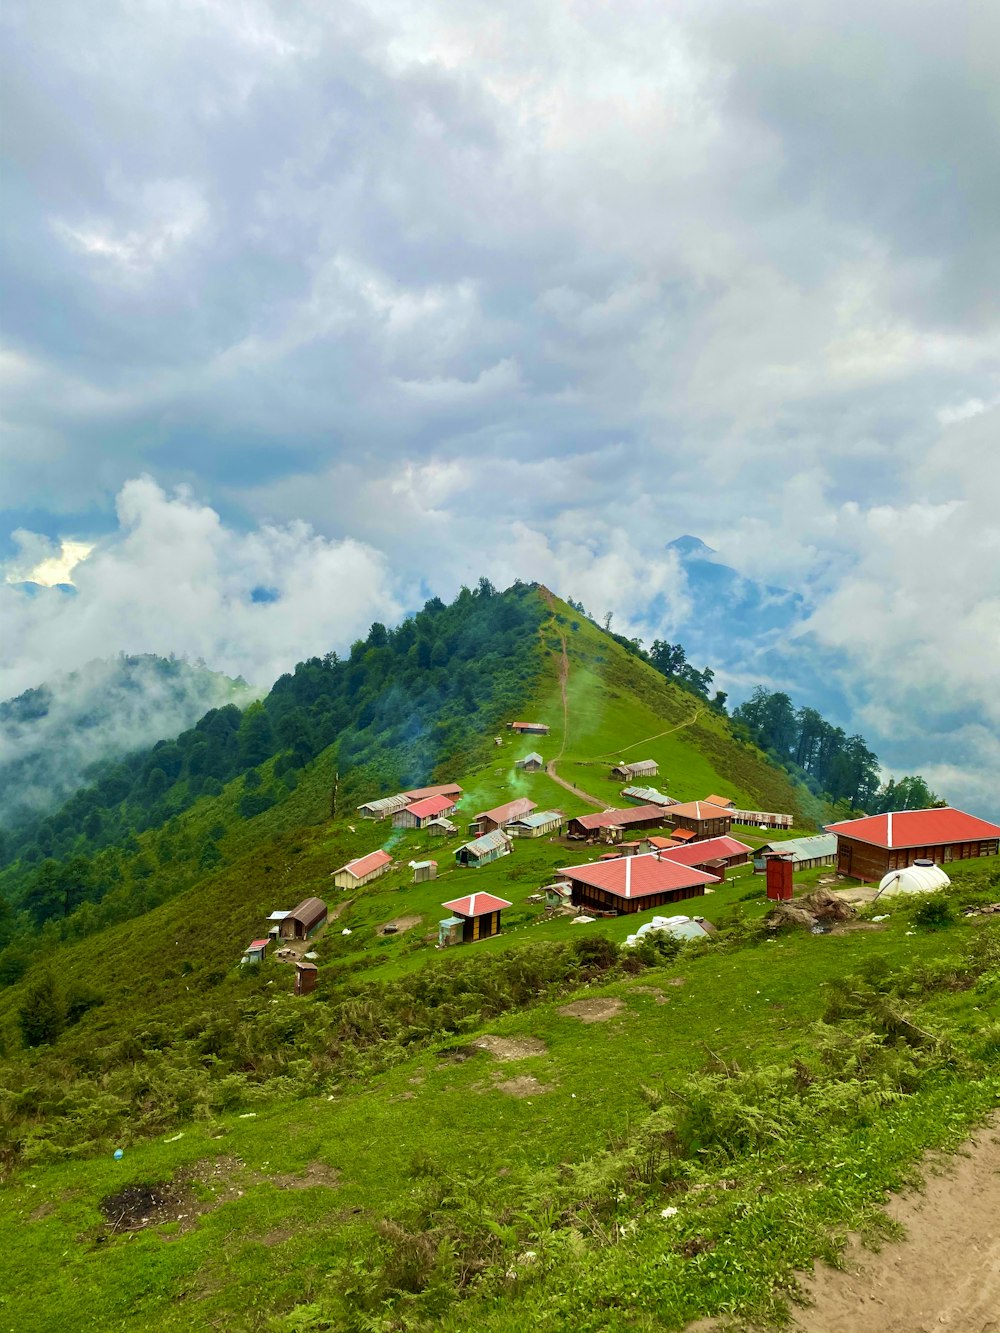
x=550, y=767
x=688, y=721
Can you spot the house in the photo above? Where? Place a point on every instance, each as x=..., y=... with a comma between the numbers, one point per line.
x=501, y=815
x=255, y=952
x=680, y=927
x=423, y=870
x=724, y=801
x=442, y=789
x=529, y=728
x=634, y=883
x=820, y=850
x=921, y=877
x=590, y=826
x=536, y=824
x=647, y=796
x=306, y=976
x=361, y=870
x=441, y=827
x=476, y=917
x=303, y=921
x=701, y=818
x=490, y=847
x=641, y=768
x=531, y=763
x=713, y=855
x=419, y=813
x=870, y=847
x=761, y=818
x=384, y=807
x=559, y=894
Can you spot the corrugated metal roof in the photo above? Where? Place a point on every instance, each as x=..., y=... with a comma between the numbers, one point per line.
x=539, y=817
x=700, y=810
x=648, y=796
x=487, y=843
x=308, y=912
x=364, y=865
x=442, y=789
x=501, y=814
x=609, y=818
x=917, y=828
x=429, y=806
x=803, y=849
x=637, y=876
x=386, y=805
x=476, y=904
x=698, y=853
x=528, y=758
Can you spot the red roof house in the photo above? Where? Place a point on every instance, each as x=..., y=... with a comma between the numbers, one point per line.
x=633, y=816
x=502, y=815
x=474, y=917
x=361, y=870
x=443, y=789
x=418, y=813
x=868, y=848
x=709, y=854
x=634, y=883
x=702, y=818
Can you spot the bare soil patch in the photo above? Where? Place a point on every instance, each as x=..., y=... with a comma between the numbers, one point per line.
x=511, y=1048
x=655, y=991
x=155, y=1203
x=316, y=1173
x=525, y=1086
x=944, y=1275
x=593, y=1011
x=400, y=924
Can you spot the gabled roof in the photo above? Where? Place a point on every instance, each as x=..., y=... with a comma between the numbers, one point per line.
x=634, y=814
x=476, y=904
x=531, y=726
x=681, y=835
x=538, y=818
x=364, y=865
x=710, y=849
x=916, y=828
x=308, y=912
x=648, y=795
x=488, y=842
x=700, y=810
x=725, y=801
x=258, y=944
x=502, y=813
x=443, y=789
x=386, y=805
x=529, y=757
x=801, y=849
x=637, y=876
x=430, y=806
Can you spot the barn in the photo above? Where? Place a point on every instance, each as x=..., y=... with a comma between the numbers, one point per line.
x=591, y=826
x=641, y=768
x=634, y=883
x=361, y=870
x=536, y=825
x=501, y=815
x=419, y=813
x=490, y=847
x=701, y=818
x=820, y=850
x=476, y=917
x=303, y=921
x=870, y=847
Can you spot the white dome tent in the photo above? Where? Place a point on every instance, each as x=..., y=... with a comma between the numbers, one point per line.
x=921, y=877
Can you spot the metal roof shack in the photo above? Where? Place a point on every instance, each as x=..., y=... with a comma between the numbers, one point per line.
x=535, y=825
x=725, y=851
x=362, y=869
x=531, y=763
x=383, y=807
x=490, y=847
x=479, y=914
x=501, y=815
x=634, y=883
x=647, y=796
x=640, y=768
x=442, y=789
x=304, y=920
x=640, y=816
x=870, y=847
x=820, y=850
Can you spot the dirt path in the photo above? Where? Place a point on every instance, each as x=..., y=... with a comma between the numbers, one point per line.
x=944, y=1275
x=689, y=721
x=550, y=767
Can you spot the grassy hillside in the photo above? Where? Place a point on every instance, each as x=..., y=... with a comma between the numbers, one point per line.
x=353, y=1160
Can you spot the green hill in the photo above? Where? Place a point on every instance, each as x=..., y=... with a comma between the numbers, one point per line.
x=432, y=1140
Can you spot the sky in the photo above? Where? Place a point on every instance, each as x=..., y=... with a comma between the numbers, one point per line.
x=312, y=311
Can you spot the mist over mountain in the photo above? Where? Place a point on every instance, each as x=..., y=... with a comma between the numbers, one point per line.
x=53, y=736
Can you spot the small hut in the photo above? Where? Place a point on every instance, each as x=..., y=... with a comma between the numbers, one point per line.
x=255, y=952
x=531, y=763
x=558, y=894
x=302, y=922
x=306, y=976
x=423, y=870
x=641, y=768
x=479, y=915
x=441, y=827
x=479, y=852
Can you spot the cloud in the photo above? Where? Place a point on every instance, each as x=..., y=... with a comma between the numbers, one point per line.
x=176, y=579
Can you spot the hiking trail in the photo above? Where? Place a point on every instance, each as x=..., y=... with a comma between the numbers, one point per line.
x=550, y=767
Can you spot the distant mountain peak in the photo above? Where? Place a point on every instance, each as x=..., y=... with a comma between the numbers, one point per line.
x=688, y=546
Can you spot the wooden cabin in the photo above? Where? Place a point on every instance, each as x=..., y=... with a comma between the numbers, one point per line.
x=478, y=915
x=536, y=825
x=805, y=853
x=531, y=763
x=362, y=870
x=713, y=855
x=302, y=922
x=641, y=768
x=701, y=818
x=636, y=817
x=419, y=813
x=634, y=883
x=306, y=976
x=481, y=851
x=529, y=728
x=501, y=815
x=441, y=827
x=870, y=847
x=384, y=808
